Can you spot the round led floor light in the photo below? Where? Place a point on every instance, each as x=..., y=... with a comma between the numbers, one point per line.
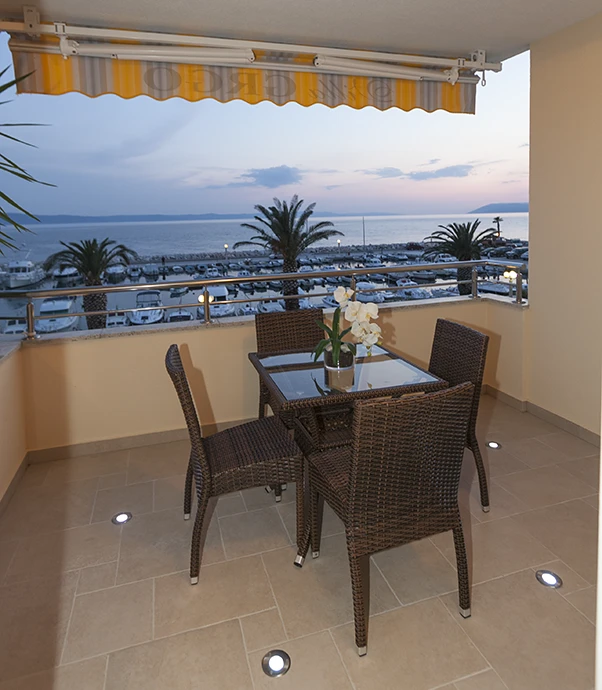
x=548, y=579
x=121, y=518
x=494, y=444
x=276, y=663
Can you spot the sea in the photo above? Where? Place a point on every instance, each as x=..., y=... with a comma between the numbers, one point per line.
x=180, y=238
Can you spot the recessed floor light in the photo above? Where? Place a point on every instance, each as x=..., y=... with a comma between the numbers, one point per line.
x=121, y=518
x=494, y=444
x=276, y=663
x=548, y=578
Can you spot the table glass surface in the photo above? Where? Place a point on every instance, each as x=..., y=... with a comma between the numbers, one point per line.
x=298, y=377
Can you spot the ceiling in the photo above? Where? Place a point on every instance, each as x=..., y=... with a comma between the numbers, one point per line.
x=450, y=28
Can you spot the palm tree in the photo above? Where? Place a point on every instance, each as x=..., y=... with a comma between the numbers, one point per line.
x=9, y=167
x=286, y=232
x=462, y=241
x=497, y=220
x=91, y=258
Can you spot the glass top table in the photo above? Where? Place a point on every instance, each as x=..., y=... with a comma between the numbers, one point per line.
x=298, y=382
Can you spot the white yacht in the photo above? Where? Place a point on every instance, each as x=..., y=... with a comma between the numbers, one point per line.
x=115, y=273
x=376, y=297
x=177, y=269
x=15, y=326
x=117, y=319
x=217, y=294
x=134, y=272
x=247, y=309
x=22, y=273
x=151, y=270
x=212, y=272
x=178, y=315
x=145, y=299
x=270, y=307
x=59, y=310
x=66, y=276
x=178, y=292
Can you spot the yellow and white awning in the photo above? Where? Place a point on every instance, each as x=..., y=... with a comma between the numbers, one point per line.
x=187, y=69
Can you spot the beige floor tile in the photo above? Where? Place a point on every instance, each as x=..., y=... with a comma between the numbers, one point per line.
x=315, y=663
x=318, y=596
x=416, y=571
x=249, y=533
x=51, y=554
x=571, y=581
x=534, y=453
x=585, y=601
x=136, y=499
x=225, y=590
x=44, y=509
x=209, y=659
x=86, y=467
x=34, y=475
x=7, y=552
x=232, y=504
x=263, y=629
x=586, y=469
x=258, y=497
x=417, y=647
x=570, y=531
x=593, y=501
x=531, y=636
x=169, y=492
x=159, y=461
x=330, y=525
x=84, y=675
x=501, y=503
x=111, y=481
x=570, y=445
x=513, y=429
x=544, y=486
x=110, y=619
x=159, y=544
x=97, y=577
x=33, y=624
x=496, y=548
x=498, y=462
x=489, y=680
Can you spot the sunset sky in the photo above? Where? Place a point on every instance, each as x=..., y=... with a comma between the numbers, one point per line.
x=113, y=156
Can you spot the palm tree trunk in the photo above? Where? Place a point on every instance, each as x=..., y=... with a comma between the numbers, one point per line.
x=465, y=274
x=96, y=302
x=290, y=287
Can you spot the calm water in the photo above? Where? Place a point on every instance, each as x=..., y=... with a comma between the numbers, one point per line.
x=182, y=237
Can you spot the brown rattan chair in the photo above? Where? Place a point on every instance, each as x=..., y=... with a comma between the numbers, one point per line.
x=458, y=355
x=397, y=483
x=249, y=455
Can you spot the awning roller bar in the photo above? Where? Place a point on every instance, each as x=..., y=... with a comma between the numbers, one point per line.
x=32, y=26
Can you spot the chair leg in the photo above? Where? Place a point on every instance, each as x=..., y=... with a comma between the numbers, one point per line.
x=197, y=533
x=188, y=491
x=473, y=444
x=360, y=589
x=316, y=514
x=300, y=501
x=462, y=564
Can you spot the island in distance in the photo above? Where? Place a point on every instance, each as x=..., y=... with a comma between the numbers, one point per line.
x=522, y=207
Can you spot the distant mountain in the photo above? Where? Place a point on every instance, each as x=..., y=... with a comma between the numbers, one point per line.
x=503, y=208
x=64, y=219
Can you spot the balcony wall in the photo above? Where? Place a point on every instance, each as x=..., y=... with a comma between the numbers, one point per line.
x=88, y=389
x=13, y=441
x=565, y=238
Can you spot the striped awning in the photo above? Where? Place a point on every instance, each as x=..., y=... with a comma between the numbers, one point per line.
x=288, y=79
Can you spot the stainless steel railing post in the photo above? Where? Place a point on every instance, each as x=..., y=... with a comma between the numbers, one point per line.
x=475, y=282
x=206, y=305
x=30, y=317
x=519, y=286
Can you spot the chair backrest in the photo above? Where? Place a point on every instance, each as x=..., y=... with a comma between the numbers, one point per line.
x=289, y=330
x=405, y=467
x=458, y=355
x=175, y=369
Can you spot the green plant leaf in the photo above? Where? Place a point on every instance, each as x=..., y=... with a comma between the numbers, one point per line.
x=320, y=347
x=324, y=327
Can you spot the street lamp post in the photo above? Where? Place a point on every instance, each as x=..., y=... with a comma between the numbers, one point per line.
x=339, y=245
x=226, y=251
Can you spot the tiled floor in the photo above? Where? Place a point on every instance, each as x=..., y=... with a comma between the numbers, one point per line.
x=87, y=605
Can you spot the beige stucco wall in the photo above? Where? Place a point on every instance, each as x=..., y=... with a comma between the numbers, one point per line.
x=565, y=224
x=81, y=390
x=12, y=418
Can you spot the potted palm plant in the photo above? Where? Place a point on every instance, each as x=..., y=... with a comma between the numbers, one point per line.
x=462, y=241
x=284, y=229
x=91, y=259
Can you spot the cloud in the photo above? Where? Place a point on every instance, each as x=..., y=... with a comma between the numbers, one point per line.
x=333, y=186
x=278, y=176
x=421, y=175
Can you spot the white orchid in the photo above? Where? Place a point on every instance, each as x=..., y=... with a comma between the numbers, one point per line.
x=361, y=311
x=343, y=295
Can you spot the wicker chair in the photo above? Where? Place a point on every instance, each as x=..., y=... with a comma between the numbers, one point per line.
x=458, y=354
x=397, y=483
x=253, y=454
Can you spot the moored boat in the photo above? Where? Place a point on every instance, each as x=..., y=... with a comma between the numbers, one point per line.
x=146, y=299
x=217, y=295
x=58, y=309
x=22, y=273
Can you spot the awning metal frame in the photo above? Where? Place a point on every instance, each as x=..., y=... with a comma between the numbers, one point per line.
x=154, y=46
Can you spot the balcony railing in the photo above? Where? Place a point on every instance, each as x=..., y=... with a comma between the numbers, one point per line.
x=354, y=274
